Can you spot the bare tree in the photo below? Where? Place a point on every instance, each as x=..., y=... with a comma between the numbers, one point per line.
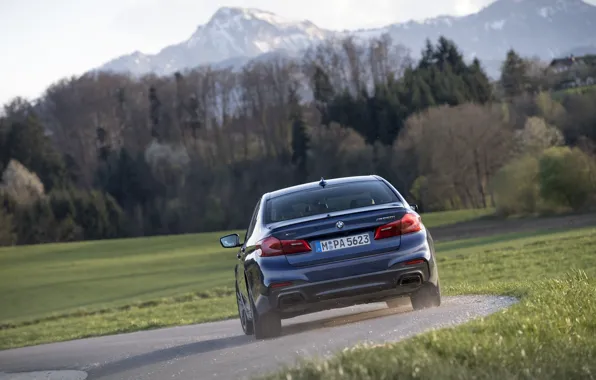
x=461, y=147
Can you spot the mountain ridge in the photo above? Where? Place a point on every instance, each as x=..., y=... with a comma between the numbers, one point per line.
x=542, y=28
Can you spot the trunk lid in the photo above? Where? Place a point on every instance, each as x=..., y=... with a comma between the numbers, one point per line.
x=353, y=237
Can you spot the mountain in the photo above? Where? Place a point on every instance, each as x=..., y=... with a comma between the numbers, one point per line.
x=233, y=36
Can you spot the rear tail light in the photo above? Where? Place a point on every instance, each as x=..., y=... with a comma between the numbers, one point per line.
x=408, y=224
x=274, y=247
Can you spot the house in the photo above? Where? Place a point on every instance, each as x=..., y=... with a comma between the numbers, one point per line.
x=559, y=65
x=574, y=71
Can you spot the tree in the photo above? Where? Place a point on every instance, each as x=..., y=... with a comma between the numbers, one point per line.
x=26, y=142
x=478, y=82
x=428, y=55
x=154, y=113
x=459, y=149
x=21, y=185
x=536, y=136
x=7, y=235
x=514, y=79
x=300, y=139
x=323, y=93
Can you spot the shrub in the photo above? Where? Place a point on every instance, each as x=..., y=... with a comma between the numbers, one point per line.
x=516, y=187
x=567, y=177
x=35, y=223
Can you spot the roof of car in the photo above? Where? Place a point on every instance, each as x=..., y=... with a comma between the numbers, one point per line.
x=315, y=184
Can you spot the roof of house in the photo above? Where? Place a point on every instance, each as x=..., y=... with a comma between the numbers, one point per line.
x=568, y=61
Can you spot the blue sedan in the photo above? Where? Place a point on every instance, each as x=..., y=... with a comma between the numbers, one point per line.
x=330, y=244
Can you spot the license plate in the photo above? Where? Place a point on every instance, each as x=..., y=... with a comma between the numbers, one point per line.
x=342, y=242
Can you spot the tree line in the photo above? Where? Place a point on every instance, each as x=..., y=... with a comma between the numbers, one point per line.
x=108, y=155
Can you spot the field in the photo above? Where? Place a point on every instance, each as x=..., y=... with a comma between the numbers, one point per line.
x=551, y=333
x=57, y=292
x=66, y=291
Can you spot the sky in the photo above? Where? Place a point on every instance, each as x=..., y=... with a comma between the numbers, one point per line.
x=42, y=41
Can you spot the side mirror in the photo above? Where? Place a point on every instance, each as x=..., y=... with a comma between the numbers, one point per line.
x=230, y=241
x=415, y=207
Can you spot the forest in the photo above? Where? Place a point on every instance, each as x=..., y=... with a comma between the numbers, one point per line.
x=108, y=155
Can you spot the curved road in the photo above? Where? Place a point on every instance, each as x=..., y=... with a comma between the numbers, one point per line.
x=219, y=350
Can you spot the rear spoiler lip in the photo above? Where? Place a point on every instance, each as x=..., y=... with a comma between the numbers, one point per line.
x=287, y=223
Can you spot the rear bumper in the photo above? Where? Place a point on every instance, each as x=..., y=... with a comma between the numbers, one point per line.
x=304, y=298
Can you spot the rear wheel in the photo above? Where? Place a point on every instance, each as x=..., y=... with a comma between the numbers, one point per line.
x=245, y=320
x=266, y=325
x=428, y=296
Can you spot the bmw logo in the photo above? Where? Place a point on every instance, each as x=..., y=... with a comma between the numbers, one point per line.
x=339, y=224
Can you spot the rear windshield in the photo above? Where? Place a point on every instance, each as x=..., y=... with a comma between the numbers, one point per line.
x=329, y=199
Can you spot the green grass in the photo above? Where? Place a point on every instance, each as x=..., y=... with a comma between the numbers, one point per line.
x=436, y=219
x=550, y=333
x=559, y=95
x=55, y=292
x=36, y=281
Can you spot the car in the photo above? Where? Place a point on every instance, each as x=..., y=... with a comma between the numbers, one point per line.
x=331, y=244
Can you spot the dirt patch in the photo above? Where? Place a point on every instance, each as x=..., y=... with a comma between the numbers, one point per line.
x=493, y=226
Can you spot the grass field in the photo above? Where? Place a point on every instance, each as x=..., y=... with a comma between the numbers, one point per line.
x=56, y=292
x=551, y=333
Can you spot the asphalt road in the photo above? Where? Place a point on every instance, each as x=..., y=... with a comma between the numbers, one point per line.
x=220, y=350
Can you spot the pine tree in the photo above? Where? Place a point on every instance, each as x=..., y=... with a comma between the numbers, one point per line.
x=447, y=56
x=514, y=78
x=428, y=56
x=477, y=80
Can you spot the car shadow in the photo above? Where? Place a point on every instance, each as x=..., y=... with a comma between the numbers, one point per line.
x=195, y=348
x=166, y=354
x=343, y=319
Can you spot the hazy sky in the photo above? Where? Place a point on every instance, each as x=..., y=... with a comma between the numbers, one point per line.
x=44, y=40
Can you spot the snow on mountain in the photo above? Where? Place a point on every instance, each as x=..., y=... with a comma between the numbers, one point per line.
x=233, y=36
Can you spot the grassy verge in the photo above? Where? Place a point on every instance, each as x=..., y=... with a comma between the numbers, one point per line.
x=551, y=333
x=175, y=311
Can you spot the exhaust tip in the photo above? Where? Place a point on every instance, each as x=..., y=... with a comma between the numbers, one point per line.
x=411, y=280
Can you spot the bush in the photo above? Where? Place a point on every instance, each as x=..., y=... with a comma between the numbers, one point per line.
x=65, y=215
x=35, y=223
x=98, y=214
x=516, y=187
x=567, y=177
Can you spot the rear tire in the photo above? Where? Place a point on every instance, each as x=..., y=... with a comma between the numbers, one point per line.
x=428, y=296
x=245, y=321
x=267, y=325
